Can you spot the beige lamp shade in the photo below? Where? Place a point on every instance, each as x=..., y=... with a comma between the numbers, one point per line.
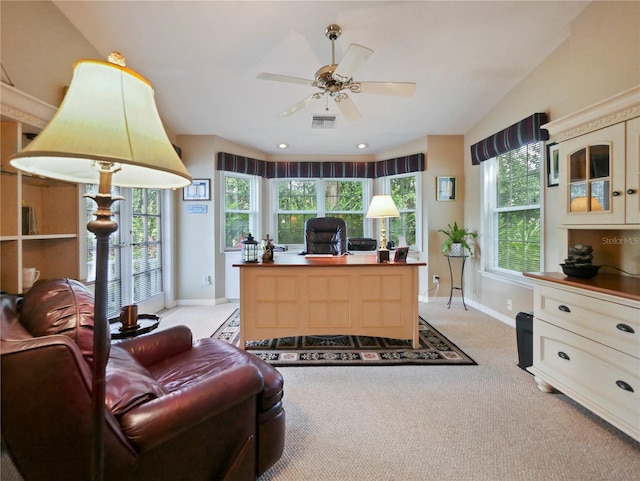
x=108, y=115
x=382, y=206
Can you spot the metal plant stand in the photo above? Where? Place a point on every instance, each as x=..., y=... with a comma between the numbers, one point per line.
x=460, y=287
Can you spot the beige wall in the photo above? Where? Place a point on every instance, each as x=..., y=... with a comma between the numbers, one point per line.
x=199, y=237
x=39, y=48
x=601, y=58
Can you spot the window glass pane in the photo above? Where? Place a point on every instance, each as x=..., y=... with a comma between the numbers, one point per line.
x=236, y=193
x=291, y=228
x=404, y=193
x=519, y=240
x=302, y=199
x=297, y=195
x=114, y=276
x=599, y=161
x=516, y=207
x=146, y=244
x=237, y=205
x=518, y=177
x=236, y=228
x=578, y=166
x=343, y=196
x=600, y=195
x=404, y=226
x=355, y=224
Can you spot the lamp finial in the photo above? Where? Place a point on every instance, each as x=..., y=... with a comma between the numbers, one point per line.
x=117, y=58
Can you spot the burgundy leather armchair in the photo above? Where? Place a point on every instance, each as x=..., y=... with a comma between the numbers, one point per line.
x=175, y=409
x=325, y=235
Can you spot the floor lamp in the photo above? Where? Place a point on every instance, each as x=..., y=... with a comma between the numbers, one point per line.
x=381, y=207
x=107, y=132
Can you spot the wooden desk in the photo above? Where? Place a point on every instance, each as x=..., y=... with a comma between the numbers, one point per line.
x=346, y=295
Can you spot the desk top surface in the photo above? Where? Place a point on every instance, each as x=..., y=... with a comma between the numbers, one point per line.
x=329, y=261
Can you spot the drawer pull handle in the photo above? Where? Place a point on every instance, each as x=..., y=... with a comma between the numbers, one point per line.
x=615, y=193
x=624, y=385
x=564, y=308
x=564, y=355
x=625, y=328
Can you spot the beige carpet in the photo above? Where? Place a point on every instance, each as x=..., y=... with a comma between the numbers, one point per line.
x=420, y=423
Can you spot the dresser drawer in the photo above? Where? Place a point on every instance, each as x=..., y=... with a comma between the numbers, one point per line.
x=602, y=379
x=613, y=324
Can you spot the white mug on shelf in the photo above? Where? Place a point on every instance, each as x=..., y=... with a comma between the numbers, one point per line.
x=29, y=276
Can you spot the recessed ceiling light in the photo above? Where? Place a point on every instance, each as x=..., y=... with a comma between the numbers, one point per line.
x=363, y=146
x=283, y=146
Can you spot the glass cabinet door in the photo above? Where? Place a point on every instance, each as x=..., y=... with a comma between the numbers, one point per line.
x=590, y=179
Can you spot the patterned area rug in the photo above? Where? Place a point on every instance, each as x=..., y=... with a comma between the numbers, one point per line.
x=435, y=349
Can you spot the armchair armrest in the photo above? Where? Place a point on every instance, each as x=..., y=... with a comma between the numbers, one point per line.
x=159, y=345
x=161, y=419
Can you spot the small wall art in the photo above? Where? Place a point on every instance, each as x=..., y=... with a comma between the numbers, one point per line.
x=553, y=164
x=200, y=189
x=446, y=188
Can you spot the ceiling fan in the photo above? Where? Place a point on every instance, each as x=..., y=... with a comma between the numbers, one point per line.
x=335, y=80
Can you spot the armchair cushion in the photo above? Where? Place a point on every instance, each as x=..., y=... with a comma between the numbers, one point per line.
x=128, y=384
x=61, y=306
x=161, y=419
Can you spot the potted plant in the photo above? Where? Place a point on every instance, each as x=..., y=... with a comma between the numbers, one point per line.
x=456, y=240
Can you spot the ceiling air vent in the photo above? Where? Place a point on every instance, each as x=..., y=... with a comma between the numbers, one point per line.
x=323, y=122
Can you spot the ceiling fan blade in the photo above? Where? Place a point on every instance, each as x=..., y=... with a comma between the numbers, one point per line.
x=400, y=89
x=348, y=108
x=300, y=105
x=284, y=78
x=354, y=57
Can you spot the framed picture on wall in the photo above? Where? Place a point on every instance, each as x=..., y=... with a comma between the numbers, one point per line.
x=553, y=164
x=200, y=189
x=446, y=187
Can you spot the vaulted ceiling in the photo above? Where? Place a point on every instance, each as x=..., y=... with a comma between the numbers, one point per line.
x=203, y=58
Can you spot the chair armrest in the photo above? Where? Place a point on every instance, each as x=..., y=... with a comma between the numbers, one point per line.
x=159, y=345
x=161, y=419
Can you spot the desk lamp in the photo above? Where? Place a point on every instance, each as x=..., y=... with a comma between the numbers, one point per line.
x=107, y=132
x=382, y=206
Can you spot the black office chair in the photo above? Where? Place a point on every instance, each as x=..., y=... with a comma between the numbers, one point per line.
x=325, y=235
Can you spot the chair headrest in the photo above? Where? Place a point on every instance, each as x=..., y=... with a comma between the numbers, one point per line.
x=60, y=306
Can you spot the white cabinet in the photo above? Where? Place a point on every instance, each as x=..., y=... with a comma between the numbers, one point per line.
x=632, y=192
x=587, y=345
x=600, y=163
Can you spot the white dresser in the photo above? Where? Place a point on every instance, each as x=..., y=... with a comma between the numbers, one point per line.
x=586, y=343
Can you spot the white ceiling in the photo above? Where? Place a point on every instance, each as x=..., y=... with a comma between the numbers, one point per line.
x=203, y=58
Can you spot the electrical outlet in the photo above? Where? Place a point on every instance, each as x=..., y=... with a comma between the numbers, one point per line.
x=509, y=305
x=436, y=279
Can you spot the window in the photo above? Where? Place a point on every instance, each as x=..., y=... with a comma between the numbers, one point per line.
x=135, y=249
x=240, y=208
x=405, y=192
x=513, y=210
x=146, y=243
x=302, y=199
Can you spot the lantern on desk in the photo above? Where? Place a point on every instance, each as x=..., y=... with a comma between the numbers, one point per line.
x=249, y=249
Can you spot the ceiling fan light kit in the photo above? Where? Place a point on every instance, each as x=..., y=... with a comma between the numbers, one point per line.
x=335, y=80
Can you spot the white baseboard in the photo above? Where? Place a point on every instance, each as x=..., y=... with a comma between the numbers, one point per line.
x=201, y=302
x=510, y=321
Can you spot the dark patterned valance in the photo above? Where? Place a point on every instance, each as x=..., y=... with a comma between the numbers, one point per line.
x=330, y=170
x=522, y=133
